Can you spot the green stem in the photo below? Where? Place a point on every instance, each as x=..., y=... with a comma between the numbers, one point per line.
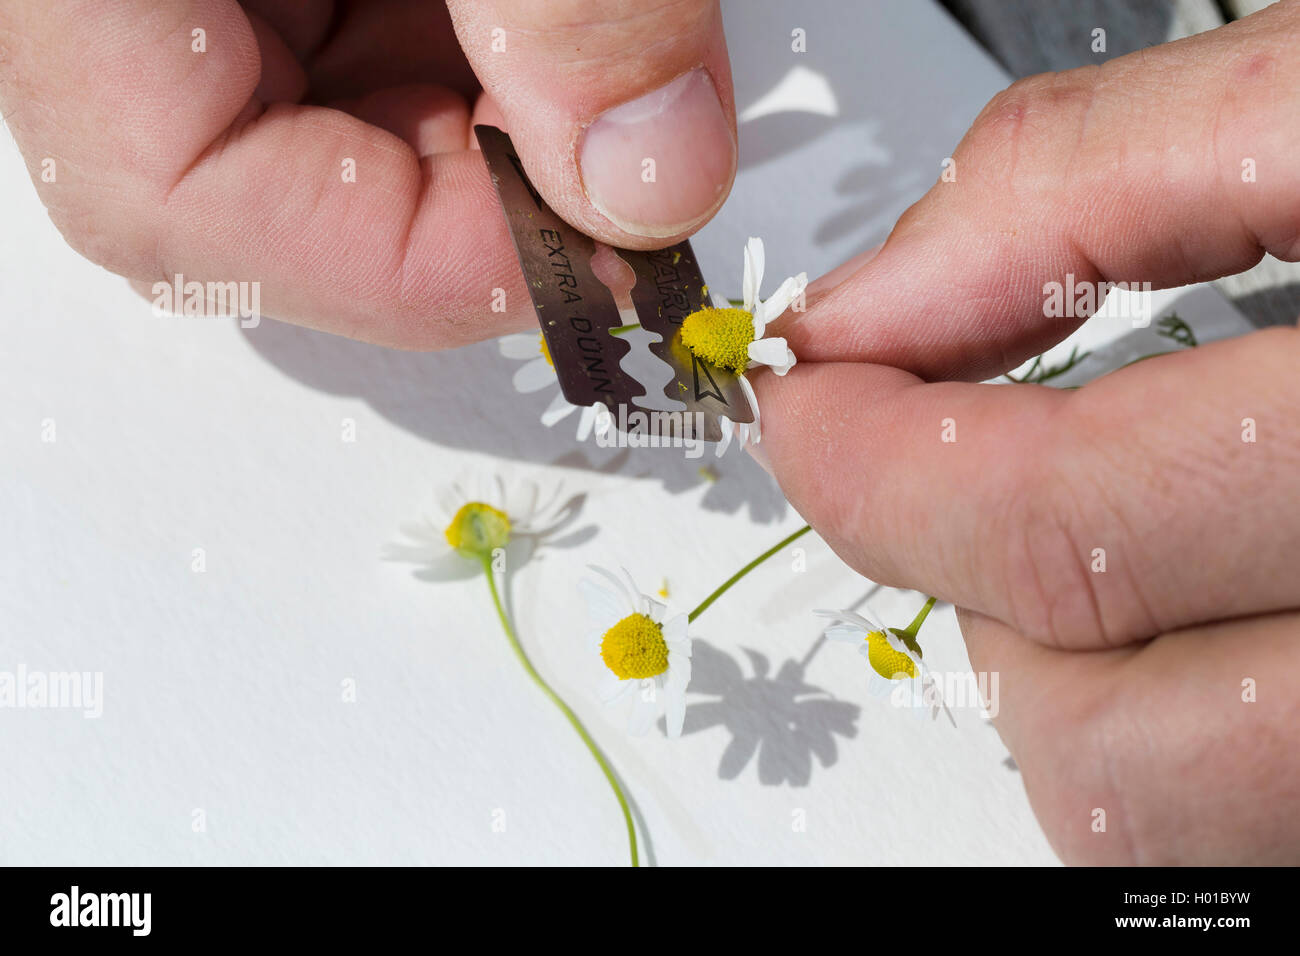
x=624, y=329
x=917, y=621
x=908, y=634
x=704, y=605
x=605, y=768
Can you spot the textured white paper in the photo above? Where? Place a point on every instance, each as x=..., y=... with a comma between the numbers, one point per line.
x=223, y=690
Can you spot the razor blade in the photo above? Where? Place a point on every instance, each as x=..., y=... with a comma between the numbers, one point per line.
x=577, y=311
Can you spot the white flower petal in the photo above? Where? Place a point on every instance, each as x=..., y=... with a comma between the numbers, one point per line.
x=643, y=709
x=654, y=609
x=605, y=608
x=853, y=619
x=638, y=599
x=521, y=346
x=780, y=300
x=627, y=602
x=449, y=501
x=753, y=435
x=848, y=633
x=451, y=566
x=675, y=629
x=679, y=668
x=559, y=409
x=728, y=432
x=773, y=352
x=612, y=689
x=595, y=418
x=675, y=709
x=533, y=376
x=754, y=262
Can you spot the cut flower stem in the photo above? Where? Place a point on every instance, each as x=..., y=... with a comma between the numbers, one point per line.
x=556, y=699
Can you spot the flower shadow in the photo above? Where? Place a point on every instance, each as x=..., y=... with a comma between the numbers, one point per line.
x=780, y=719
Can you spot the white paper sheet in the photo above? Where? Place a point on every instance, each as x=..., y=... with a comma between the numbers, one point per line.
x=223, y=689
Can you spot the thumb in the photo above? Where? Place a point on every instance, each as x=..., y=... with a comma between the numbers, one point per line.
x=623, y=112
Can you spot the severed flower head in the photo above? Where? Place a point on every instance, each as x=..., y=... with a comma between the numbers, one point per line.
x=476, y=520
x=538, y=372
x=639, y=649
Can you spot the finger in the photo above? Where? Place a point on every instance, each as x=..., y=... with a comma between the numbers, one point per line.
x=1140, y=755
x=622, y=111
x=283, y=79
x=179, y=169
x=302, y=24
x=1172, y=165
x=383, y=43
x=430, y=119
x=1159, y=496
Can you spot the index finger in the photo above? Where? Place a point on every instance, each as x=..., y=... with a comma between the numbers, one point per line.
x=169, y=163
x=1168, y=166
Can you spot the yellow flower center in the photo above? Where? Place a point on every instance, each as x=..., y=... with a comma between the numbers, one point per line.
x=720, y=336
x=546, y=353
x=635, y=648
x=478, y=530
x=886, y=661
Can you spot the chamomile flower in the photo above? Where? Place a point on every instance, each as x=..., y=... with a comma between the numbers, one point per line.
x=733, y=338
x=891, y=654
x=474, y=520
x=642, y=653
x=884, y=650
x=538, y=372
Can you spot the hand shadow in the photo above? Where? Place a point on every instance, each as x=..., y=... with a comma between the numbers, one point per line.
x=783, y=720
x=465, y=400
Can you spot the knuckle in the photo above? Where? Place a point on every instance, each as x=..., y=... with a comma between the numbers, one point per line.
x=110, y=240
x=1063, y=586
x=1028, y=130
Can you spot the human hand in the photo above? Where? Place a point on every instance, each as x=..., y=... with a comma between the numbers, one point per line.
x=227, y=165
x=1127, y=689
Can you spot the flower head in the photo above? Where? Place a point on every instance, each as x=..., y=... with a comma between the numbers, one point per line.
x=884, y=650
x=476, y=520
x=732, y=337
x=538, y=372
x=891, y=652
x=477, y=529
x=639, y=649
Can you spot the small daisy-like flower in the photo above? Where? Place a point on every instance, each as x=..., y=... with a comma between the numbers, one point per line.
x=884, y=650
x=475, y=520
x=891, y=654
x=538, y=372
x=732, y=337
x=640, y=650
